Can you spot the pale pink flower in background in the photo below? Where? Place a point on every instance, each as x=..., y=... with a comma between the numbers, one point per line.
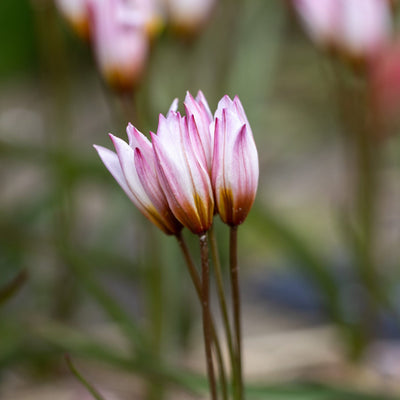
x=133, y=167
x=147, y=13
x=353, y=27
x=189, y=16
x=182, y=171
x=199, y=109
x=120, y=42
x=76, y=13
x=235, y=167
x=319, y=18
x=365, y=26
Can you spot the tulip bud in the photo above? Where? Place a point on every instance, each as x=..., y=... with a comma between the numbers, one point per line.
x=189, y=16
x=120, y=42
x=75, y=12
x=198, y=109
x=235, y=162
x=357, y=29
x=133, y=167
x=182, y=171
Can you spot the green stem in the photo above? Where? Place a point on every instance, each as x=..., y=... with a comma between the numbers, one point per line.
x=222, y=301
x=197, y=284
x=82, y=380
x=205, y=294
x=234, y=272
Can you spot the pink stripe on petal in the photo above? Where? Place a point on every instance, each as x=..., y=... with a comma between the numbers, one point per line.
x=137, y=139
x=126, y=159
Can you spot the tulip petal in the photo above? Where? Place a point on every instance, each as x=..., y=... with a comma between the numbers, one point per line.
x=148, y=178
x=111, y=162
x=127, y=161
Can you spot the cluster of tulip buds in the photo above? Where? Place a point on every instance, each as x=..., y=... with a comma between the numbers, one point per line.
x=196, y=165
x=121, y=31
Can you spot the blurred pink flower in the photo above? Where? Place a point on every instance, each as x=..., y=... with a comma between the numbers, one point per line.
x=235, y=167
x=182, y=171
x=133, y=167
x=189, y=16
x=356, y=28
x=384, y=77
x=146, y=13
x=75, y=12
x=120, y=42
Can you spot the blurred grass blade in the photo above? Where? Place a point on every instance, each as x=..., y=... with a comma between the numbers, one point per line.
x=13, y=286
x=84, y=272
x=81, y=379
x=71, y=341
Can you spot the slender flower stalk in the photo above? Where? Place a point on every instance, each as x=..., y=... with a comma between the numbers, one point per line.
x=197, y=284
x=205, y=294
x=234, y=273
x=222, y=303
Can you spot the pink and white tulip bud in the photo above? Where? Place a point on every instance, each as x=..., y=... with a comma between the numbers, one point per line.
x=182, y=171
x=235, y=167
x=133, y=167
x=189, y=16
x=120, y=42
x=150, y=14
x=319, y=18
x=198, y=109
x=76, y=13
x=358, y=29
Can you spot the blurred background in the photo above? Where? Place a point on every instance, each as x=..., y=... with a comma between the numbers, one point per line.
x=319, y=253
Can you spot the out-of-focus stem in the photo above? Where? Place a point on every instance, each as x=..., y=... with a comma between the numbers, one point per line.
x=362, y=148
x=197, y=284
x=155, y=391
x=222, y=301
x=205, y=295
x=234, y=272
x=96, y=395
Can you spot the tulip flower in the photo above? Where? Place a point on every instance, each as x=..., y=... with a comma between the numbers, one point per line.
x=319, y=18
x=149, y=12
x=235, y=162
x=357, y=28
x=182, y=172
x=198, y=109
x=189, y=16
x=120, y=42
x=75, y=12
x=133, y=167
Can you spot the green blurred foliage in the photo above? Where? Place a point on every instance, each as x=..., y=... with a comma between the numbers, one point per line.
x=17, y=38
